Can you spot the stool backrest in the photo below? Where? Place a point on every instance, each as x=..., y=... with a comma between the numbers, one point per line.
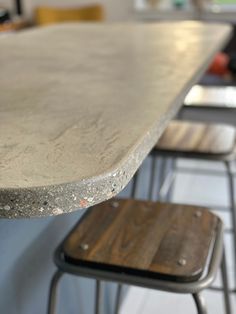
x=45, y=15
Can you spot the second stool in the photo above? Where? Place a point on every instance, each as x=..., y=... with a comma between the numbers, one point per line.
x=210, y=142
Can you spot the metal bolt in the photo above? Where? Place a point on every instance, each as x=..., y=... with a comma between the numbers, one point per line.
x=198, y=214
x=84, y=246
x=115, y=204
x=182, y=262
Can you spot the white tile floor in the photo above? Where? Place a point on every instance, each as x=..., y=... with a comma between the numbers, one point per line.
x=193, y=189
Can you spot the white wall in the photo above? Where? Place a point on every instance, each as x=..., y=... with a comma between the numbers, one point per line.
x=116, y=10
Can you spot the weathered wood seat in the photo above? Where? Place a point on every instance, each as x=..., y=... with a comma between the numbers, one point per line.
x=143, y=238
x=185, y=137
x=201, y=96
x=174, y=248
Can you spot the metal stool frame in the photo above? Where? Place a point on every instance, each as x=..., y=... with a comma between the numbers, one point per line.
x=194, y=288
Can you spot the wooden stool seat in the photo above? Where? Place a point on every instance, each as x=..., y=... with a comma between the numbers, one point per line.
x=197, y=138
x=143, y=238
x=211, y=96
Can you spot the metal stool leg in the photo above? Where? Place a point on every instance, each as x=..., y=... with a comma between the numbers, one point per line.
x=200, y=303
x=225, y=285
x=168, y=180
x=232, y=208
x=133, y=194
x=98, y=298
x=118, y=298
x=163, y=172
x=52, y=299
x=134, y=184
x=152, y=177
x=173, y=167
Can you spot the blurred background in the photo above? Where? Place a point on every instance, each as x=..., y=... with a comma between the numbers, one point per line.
x=17, y=15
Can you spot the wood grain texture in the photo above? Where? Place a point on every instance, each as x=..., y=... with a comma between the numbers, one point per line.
x=145, y=238
x=211, y=97
x=83, y=104
x=199, y=138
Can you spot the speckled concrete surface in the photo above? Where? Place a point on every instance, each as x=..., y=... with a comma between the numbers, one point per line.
x=82, y=105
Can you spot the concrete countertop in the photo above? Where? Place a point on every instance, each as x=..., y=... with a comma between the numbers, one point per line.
x=81, y=106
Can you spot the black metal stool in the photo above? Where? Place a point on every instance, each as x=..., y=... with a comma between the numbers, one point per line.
x=211, y=142
x=174, y=248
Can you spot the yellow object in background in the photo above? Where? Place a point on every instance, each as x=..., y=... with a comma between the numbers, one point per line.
x=51, y=15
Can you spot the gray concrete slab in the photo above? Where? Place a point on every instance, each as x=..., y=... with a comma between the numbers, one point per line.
x=82, y=105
